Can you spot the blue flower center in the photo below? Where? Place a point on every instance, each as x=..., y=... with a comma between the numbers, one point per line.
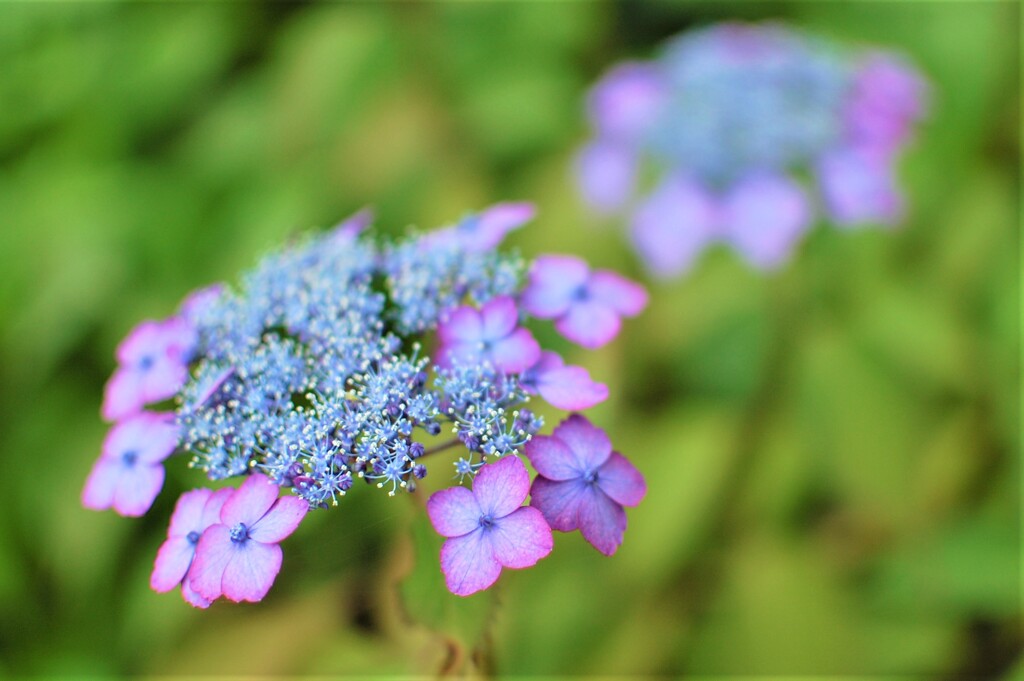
x=147, y=362
x=239, y=533
x=486, y=521
x=591, y=477
x=130, y=457
x=581, y=293
x=193, y=538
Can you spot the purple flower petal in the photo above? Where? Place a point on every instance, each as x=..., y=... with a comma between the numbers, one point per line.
x=501, y=486
x=764, y=216
x=251, y=571
x=280, y=521
x=211, y=511
x=188, y=512
x=554, y=283
x=859, y=187
x=137, y=488
x=602, y=521
x=621, y=481
x=199, y=301
x=192, y=597
x=489, y=228
x=516, y=352
x=606, y=174
x=351, y=227
x=888, y=96
x=589, y=324
x=552, y=458
x=172, y=562
x=468, y=564
x=462, y=326
x=454, y=512
x=250, y=502
x=521, y=538
x=213, y=553
x=622, y=295
x=588, y=443
x=98, y=493
x=499, y=317
x=558, y=501
x=674, y=225
x=465, y=354
x=627, y=100
x=122, y=395
x=571, y=388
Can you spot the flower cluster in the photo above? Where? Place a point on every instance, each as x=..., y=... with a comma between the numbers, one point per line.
x=737, y=124
x=340, y=359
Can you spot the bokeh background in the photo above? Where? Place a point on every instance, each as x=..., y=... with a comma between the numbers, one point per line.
x=831, y=450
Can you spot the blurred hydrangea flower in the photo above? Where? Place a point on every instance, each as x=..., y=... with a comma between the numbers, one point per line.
x=341, y=359
x=736, y=133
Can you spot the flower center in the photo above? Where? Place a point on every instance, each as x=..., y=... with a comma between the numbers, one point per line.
x=130, y=457
x=147, y=362
x=239, y=533
x=193, y=538
x=486, y=521
x=581, y=293
x=591, y=477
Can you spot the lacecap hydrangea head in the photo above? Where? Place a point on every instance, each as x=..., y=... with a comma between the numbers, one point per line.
x=742, y=133
x=342, y=360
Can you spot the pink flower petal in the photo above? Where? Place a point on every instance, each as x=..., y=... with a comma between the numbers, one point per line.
x=516, y=352
x=172, y=563
x=558, y=501
x=192, y=597
x=454, y=511
x=280, y=521
x=491, y=225
x=521, y=538
x=250, y=502
x=499, y=317
x=188, y=513
x=554, y=281
x=501, y=486
x=588, y=443
x=764, y=216
x=211, y=511
x=627, y=100
x=468, y=564
x=136, y=489
x=462, y=354
x=122, y=395
x=622, y=295
x=213, y=553
x=163, y=380
x=589, y=324
x=552, y=458
x=251, y=571
x=620, y=480
x=672, y=226
x=602, y=521
x=98, y=493
x=462, y=326
x=606, y=173
x=571, y=388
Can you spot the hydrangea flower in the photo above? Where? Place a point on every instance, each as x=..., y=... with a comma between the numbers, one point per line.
x=488, y=527
x=582, y=484
x=744, y=130
x=239, y=557
x=129, y=474
x=153, y=366
x=194, y=512
x=339, y=361
x=586, y=305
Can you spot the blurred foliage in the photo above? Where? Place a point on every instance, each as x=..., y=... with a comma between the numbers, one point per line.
x=832, y=450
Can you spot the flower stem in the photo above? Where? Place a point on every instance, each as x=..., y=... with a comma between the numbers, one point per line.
x=441, y=447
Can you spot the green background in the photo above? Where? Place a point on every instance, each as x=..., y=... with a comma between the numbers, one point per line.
x=831, y=450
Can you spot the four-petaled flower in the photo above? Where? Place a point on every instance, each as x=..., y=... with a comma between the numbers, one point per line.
x=238, y=557
x=581, y=483
x=194, y=512
x=487, y=527
x=129, y=473
x=491, y=334
x=586, y=305
x=565, y=387
x=152, y=366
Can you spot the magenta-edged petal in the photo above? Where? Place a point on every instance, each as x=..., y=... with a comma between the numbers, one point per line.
x=468, y=564
x=622, y=295
x=463, y=325
x=499, y=317
x=554, y=283
x=146, y=437
x=558, y=501
x=588, y=443
x=627, y=100
x=589, y=324
x=188, y=512
x=602, y=521
x=213, y=553
x=516, y=352
x=548, y=361
x=501, y=486
x=621, y=481
x=136, y=489
x=571, y=388
x=521, y=538
x=488, y=229
x=454, y=511
x=140, y=341
x=98, y=493
x=251, y=571
x=606, y=174
x=764, y=216
x=193, y=597
x=197, y=303
x=163, y=380
x=859, y=187
x=351, y=227
x=172, y=563
x=280, y=521
x=552, y=458
x=211, y=511
x=672, y=226
x=122, y=395
x=250, y=502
